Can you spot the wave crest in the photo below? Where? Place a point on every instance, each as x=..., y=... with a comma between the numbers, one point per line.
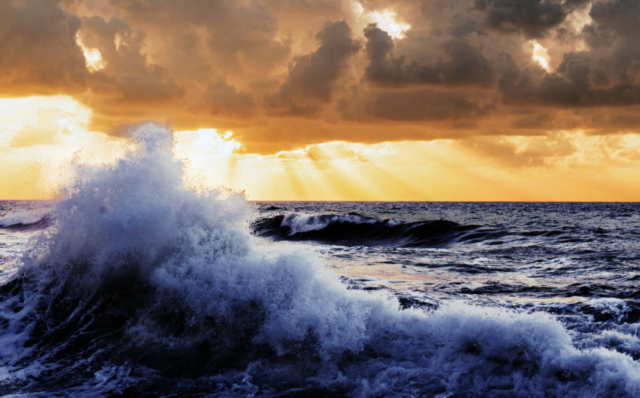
x=358, y=230
x=23, y=218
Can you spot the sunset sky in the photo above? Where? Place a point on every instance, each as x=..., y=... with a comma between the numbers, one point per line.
x=524, y=100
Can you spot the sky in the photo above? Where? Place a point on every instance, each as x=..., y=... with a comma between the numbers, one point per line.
x=443, y=100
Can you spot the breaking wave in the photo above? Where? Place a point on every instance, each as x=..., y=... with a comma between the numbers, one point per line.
x=142, y=286
x=21, y=218
x=358, y=230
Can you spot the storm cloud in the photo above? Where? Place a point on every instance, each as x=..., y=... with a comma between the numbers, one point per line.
x=533, y=18
x=312, y=77
x=462, y=64
x=281, y=74
x=38, y=49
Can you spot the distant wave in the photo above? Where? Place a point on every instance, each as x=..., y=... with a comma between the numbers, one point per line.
x=146, y=288
x=22, y=218
x=355, y=229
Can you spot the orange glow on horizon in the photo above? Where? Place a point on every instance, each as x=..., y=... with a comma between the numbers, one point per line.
x=571, y=166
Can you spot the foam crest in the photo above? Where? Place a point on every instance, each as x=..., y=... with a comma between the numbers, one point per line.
x=25, y=217
x=299, y=223
x=357, y=230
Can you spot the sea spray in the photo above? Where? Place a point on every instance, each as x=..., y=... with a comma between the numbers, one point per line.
x=143, y=286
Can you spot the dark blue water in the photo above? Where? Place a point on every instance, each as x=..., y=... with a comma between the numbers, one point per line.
x=134, y=285
x=579, y=261
x=514, y=251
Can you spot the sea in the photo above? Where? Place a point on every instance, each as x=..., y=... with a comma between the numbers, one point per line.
x=135, y=283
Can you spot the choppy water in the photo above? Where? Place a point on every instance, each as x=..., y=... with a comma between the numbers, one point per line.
x=135, y=285
x=579, y=261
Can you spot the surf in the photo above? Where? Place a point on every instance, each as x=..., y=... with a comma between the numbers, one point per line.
x=144, y=285
x=358, y=230
x=27, y=218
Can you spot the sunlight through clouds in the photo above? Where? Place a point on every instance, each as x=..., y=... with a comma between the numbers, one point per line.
x=540, y=55
x=305, y=100
x=205, y=141
x=387, y=20
x=40, y=138
x=92, y=56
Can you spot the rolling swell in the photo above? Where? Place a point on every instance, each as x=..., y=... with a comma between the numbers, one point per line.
x=143, y=287
x=27, y=219
x=358, y=230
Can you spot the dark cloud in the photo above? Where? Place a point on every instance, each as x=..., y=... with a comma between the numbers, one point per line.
x=270, y=70
x=461, y=64
x=126, y=87
x=611, y=120
x=618, y=17
x=225, y=100
x=241, y=36
x=603, y=75
x=127, y=75
x=409, y=106
x=38, y=50
x=535, y=120
x=576, y=83
x=613, y=38
x=322, y=7
x=533, y=18
x=312, y=77
x=421, y=105
x=461, y=26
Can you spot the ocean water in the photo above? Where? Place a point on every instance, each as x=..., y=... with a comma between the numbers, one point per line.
x=135, y=284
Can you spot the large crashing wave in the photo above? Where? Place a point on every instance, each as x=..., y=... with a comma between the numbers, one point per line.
x=143, y=285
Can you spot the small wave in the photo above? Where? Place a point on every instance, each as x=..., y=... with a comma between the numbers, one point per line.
x=355, y=229
x=21, y=218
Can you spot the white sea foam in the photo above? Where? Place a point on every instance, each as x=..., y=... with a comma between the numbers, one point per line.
x=300, y=223
x=195, y=252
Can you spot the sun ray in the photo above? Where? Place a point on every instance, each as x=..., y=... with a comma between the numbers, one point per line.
x=540, y=55
x=387, y=20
